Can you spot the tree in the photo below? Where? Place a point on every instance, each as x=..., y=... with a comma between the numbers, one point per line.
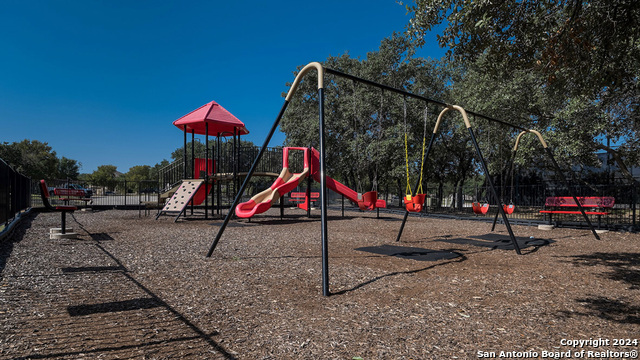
x=68, y=168
x=578, y=59
x=105, y=176
x=139, y=173
x=31, y=158
x=365, y=125
x=178, y=154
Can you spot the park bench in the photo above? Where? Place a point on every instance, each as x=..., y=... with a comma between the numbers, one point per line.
x=594, y=205
x=63, y=209
x=68, y=195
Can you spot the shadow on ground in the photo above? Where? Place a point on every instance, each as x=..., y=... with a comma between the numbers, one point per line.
x=621, y=266
x=499, y=242
x=134, y=315
x=413, y=253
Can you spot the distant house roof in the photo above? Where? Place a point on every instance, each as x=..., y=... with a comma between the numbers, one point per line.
x=221, y=121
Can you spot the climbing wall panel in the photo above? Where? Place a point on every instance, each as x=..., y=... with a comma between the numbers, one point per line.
x=183, y=195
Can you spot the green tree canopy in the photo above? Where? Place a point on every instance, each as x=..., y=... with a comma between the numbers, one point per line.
x=567, y=68
x=139, y=173
x=365, y=125
x=105, y=175
x=31, y=158
x=68, y=168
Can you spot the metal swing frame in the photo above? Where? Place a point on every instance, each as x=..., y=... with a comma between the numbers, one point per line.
x=323, y=185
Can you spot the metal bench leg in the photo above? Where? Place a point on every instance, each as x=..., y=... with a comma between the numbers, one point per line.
x=64, y=221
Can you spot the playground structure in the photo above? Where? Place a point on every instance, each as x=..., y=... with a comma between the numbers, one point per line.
x=202, y=176
x=324, y=180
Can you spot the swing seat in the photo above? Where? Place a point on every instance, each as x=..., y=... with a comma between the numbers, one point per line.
x=368, y=201
x=480, y=209
x=508, y=209
x=414, y=203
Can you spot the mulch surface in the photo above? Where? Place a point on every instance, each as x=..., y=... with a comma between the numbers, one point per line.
x=134, y=287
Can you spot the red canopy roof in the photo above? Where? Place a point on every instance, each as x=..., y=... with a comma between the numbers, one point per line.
x=221, y=122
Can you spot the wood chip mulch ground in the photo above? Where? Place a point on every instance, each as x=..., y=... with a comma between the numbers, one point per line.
x=137, y=288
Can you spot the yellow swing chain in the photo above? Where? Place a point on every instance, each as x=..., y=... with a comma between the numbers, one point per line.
x=407, y=191
x=419, y=190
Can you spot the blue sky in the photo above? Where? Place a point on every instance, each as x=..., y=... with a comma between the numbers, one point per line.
x=102, y=81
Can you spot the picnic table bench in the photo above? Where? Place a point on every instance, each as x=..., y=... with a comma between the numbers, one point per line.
x=68, y=195
x=593, y=205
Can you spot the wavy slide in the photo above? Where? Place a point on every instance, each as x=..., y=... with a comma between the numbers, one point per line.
x=287, y=181
x=337, y=186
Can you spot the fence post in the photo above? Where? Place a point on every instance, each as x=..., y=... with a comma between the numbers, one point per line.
x=633, y=204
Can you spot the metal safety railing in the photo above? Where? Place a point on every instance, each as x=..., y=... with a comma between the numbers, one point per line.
x=15, y=194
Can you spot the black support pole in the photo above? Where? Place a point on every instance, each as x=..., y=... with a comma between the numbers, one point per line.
x=309, y=189
x=234, y=157
x=571, y=190
x=219, y=195
x=184, y=128
x=513, y=159
x=323, y=200
x=193, y=161
x=236, y=201
x=206, y=167
x=495, y=194
x=193, y=154
x=406, y=212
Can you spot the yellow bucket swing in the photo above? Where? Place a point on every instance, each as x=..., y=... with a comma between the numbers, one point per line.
x=414, y=203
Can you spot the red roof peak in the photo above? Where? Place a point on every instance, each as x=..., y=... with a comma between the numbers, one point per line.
x=221, y=121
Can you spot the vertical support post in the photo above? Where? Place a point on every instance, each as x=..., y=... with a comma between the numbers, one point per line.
x=184, y=155
x=513, y=159
x=323, y=199
x=309, y=186
x=219, y=151
x=342, y=205
x=64, y=222
x=633, y=204
x=281, y=207
x=193, y=160
x=234, y=156
x=206, y=170
x=193, y=154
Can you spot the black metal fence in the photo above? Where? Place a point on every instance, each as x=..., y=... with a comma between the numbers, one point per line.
x=119, y=194
x=530, y=199
x=271, y=161
x=15, y=194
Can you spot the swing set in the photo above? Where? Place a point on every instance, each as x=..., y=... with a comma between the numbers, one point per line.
x=321, y=70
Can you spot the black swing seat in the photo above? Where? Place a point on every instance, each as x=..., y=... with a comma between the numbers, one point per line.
x=63, y=209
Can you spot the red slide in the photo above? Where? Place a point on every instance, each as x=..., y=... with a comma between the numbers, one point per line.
x=337, y=186
x=285, y=182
